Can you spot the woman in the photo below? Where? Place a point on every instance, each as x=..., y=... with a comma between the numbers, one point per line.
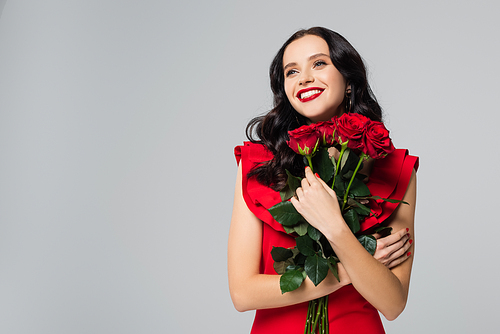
x=315, y=76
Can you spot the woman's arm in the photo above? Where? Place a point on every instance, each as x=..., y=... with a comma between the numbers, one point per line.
x=386, y=290
x=249, y=289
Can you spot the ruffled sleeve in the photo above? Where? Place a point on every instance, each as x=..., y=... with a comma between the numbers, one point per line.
x=389, y=179
x=258, y=197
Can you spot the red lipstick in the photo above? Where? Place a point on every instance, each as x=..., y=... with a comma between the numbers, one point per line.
x=311, y=97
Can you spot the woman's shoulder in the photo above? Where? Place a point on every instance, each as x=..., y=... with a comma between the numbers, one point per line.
x=253, y=151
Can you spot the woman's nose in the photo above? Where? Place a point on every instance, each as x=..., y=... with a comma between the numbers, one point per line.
x=305, y=77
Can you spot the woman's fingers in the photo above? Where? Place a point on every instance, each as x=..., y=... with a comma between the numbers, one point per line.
x=317, y=179
x=317, y=205
x=383, y=242
x=394, y=259
x=405, y=255
x=310, y=180
x=392, y=250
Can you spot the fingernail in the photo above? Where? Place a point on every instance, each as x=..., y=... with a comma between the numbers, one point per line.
x=407, y=229
x=316, y=175
x=305, y=167
x=408, y=235
x=408, y=254
x=410, y=241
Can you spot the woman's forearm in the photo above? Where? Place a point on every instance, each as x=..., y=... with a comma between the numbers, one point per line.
x=262, y=291
x=374, y=281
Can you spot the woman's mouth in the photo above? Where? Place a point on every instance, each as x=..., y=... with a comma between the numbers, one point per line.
x=309, y=94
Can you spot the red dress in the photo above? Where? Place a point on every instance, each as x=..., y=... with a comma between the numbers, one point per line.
x=348, y=311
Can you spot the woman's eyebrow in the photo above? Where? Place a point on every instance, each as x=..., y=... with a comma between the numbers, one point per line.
x=289, y=65
x=317, y=55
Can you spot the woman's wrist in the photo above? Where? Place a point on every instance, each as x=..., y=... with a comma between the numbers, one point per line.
x=336, y=229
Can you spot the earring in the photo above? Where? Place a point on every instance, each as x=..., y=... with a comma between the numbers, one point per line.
x=297, y=119
x=348, y=102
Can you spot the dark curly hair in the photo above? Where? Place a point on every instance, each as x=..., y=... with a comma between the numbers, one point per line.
x=272, y=129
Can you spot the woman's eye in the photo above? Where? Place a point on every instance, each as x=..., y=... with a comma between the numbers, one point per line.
x=290, y=72
x=319, y=63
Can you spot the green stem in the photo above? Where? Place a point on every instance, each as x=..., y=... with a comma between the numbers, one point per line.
x=361, y=158
x=342, y=150
x=327, y=321
x=317, y=316
x=308, y=319
x=323, y=315
x=315, y=323
x=308, y=157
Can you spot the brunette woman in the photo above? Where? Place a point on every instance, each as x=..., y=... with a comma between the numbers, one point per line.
x=315, y=76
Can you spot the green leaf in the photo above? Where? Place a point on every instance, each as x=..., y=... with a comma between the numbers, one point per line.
x=285, y=214
x=323, y=165
x=332, y=264
x=289, y=229
x=360, y=208
x=340, y=186
x=305, y=245
x=316, y=268
x=348, y=175
x=300, y=259
x=313, y=233
x=293, y=181
x=281, y=254
x=360, y=176
x=358, y=188
x=390, y=200
x=325, y=246
x=286, y=193
x=291, y=280
x=369, y=243
x=301, y=228
x=280, y=267
x=334, y=163
x=349, y=161
x=345, y=156
x=384, y=231
x=293, y=267
x=352, y=220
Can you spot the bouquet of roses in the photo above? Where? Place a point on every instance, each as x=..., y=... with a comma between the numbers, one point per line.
x=358, y=138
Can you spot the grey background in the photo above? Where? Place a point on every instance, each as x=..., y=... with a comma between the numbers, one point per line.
x=117, y=126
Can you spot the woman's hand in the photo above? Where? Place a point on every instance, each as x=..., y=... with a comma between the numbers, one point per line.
x=393, y=249
x=317, y=202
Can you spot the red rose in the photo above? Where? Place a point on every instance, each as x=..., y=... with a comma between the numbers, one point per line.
x=377, y=141
x=304, y=140
x=351, y=127
x=326, y=131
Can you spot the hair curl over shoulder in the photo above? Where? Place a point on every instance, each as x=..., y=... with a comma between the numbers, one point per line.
x=272, y=129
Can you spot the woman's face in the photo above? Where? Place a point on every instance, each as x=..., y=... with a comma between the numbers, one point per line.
x=314, y=87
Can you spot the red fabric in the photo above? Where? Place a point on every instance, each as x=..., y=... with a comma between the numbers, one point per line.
x=348, y=311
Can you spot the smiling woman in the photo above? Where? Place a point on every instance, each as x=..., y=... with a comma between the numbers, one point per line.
x=313, y=85
x=316, y=77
